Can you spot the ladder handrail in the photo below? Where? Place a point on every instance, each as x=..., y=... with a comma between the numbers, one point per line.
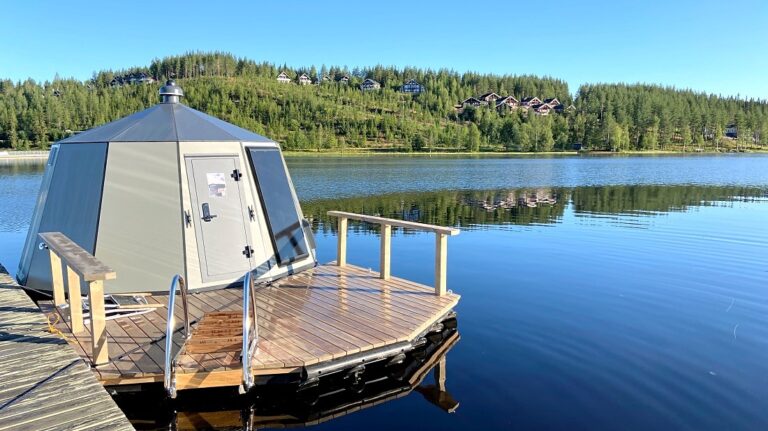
x=249, y=345
x=169, y=380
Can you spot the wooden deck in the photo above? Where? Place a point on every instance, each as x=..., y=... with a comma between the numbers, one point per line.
x=43, y=383
x=316, y=316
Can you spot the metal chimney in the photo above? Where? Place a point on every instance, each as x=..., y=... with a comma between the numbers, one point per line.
x=170, y=92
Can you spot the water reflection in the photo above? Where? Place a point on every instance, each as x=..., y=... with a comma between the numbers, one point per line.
x=473, y=209
x=281, y=405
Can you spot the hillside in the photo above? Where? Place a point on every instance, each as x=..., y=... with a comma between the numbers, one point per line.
x=333, y=115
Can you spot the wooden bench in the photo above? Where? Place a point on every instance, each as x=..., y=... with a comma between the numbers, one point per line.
x=441, y=244
x=80, y=266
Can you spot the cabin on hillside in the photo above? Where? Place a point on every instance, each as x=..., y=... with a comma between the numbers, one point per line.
x=413, y=87
x=562, y=108
x=489, y=97
x=731, y=131
x=344, y=79
x=283, y=78
x=542, y=109
x=552, y=102
x=530, y=102
x=325, y=78
x=369, y=85
x=304, y=79
x=471, y=102
x=508, y=102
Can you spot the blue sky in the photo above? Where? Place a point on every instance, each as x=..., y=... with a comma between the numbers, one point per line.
x=713, y=46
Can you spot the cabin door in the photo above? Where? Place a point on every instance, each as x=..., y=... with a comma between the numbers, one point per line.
x=220, y=216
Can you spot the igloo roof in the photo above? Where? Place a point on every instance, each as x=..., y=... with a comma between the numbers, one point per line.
x=168, y=121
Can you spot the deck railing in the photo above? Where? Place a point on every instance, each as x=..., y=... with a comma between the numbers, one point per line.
x=441, y=243
x=250, y=331
x=169, y=376
x=80, y=266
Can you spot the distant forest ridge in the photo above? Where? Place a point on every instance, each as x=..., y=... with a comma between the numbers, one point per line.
x=440, y=110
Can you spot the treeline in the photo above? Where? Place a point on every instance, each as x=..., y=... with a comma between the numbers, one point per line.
x=332, y=116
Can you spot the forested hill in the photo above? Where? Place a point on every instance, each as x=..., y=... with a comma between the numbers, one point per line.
x=336, y=115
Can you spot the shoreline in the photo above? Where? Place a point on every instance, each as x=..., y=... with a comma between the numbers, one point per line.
x=42, y=155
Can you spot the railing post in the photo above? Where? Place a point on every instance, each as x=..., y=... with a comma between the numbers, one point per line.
x=75, y=301
x=57, y=279
x=386, y=251
x=341, y=253
x=441, y=261
x=98, y=322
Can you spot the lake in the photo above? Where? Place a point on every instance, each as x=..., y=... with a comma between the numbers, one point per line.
x=597, y=292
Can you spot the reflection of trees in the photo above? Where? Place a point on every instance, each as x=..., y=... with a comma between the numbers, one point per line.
x=655, y=199
x=473, y=209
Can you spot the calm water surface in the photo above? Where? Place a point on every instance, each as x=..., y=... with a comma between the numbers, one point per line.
x=597, y=292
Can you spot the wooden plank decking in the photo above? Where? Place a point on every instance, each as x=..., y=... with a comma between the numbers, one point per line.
x=325, y=313
x=43, y=383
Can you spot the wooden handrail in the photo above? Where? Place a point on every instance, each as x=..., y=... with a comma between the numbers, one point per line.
x=450, y=231
x=83, y=263
x=441, y=243
x=80, y=265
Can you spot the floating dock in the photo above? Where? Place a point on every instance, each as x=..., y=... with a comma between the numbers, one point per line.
x=308, y=324
x=44, y=385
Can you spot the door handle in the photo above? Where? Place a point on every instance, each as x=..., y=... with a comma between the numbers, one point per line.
x=207, y=216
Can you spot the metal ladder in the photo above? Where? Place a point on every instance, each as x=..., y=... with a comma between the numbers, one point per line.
x=250, y=333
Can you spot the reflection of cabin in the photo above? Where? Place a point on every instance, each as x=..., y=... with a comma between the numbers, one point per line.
x=732, y=131
x=369, y=84
x=304, y=79
x=489, y=97
x=283, y=78
x=530, y=102
x=508, y=102
x=413, y=87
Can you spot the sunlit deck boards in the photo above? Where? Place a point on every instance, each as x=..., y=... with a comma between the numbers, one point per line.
x=43, y=383
x=322, y=314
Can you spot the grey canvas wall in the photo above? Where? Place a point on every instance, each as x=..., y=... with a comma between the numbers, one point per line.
x=140, y=232
x=71, y=205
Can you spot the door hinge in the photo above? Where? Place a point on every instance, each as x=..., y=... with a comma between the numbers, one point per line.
x=248, y=251
x=236, y=175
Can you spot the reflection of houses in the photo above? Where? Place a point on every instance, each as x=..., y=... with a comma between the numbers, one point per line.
x=528, y=199
x=732, y=131
x=369, y=85
x=304, y=79
x=413, y=87
x=283, y=78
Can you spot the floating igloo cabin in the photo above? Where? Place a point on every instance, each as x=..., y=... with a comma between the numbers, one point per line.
x=170, y=190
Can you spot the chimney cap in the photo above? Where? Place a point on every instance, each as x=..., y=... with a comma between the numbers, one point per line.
x=170, y=92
